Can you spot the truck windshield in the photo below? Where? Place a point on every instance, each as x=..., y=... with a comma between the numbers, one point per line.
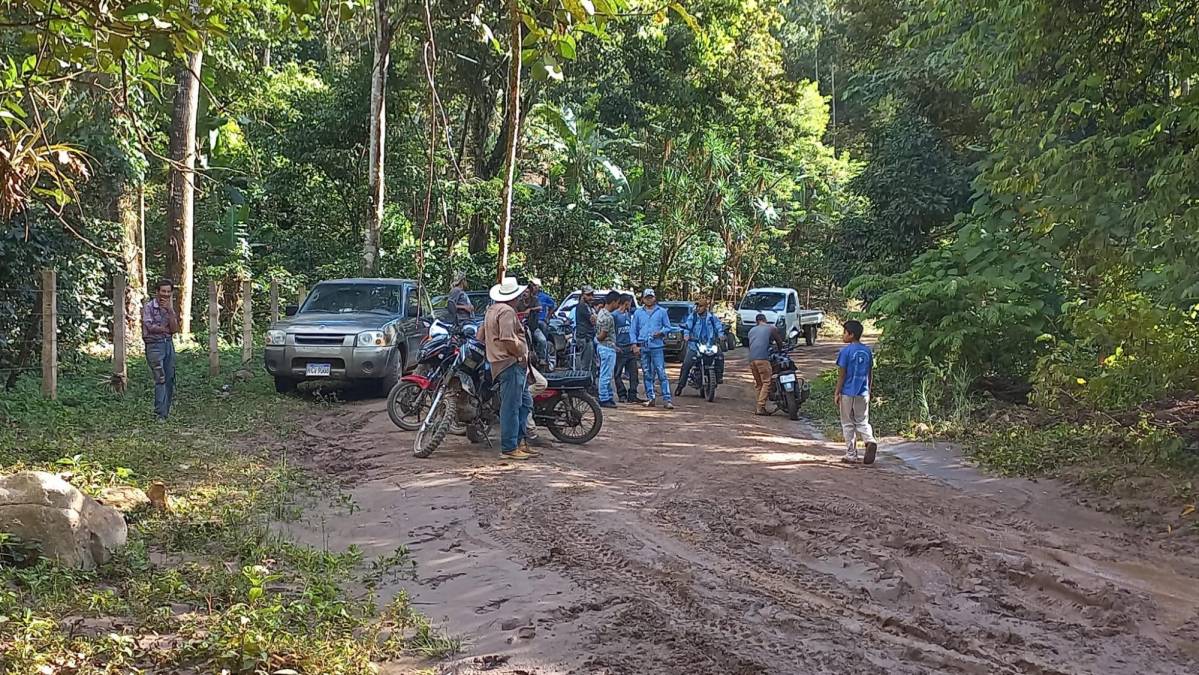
x=343, y=298
x=773, y=302
x=677, y=313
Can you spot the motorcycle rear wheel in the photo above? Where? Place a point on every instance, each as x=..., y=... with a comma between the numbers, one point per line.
x=790, y=404
x=575, y=408
x=407, y=404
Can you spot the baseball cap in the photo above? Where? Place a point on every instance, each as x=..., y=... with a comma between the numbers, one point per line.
x=586, y=289
x=649, y=293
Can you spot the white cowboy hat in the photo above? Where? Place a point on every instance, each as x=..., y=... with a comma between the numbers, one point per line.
x=508, y=290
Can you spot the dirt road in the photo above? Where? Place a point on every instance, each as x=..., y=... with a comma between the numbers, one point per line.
x=706, y=540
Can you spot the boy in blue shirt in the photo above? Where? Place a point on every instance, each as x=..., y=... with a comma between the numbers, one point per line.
x=855, y=375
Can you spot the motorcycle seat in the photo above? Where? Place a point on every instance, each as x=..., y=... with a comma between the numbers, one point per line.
x=568, y=379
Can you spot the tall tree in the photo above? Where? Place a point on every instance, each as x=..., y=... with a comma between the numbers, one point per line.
x=378, y=133
x=181, y=201
x=513, y=136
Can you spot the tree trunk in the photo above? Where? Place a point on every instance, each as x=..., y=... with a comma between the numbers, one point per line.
x=513, y=136
x=127, y=212
x=374, y=221
x=181, y=201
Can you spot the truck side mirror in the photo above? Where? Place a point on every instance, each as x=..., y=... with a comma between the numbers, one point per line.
x=291, y=310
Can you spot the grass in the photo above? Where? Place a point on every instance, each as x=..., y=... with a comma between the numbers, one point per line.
x=205, y=587
x=1144, y=465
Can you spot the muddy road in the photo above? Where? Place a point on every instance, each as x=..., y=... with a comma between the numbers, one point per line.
x=707, y=540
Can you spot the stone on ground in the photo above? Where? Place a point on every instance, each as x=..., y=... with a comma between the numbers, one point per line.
x=66, y=524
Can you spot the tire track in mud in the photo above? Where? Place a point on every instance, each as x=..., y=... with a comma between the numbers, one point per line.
x=706, y=541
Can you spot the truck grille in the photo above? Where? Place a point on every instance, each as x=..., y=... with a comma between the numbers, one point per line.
x=319, y=339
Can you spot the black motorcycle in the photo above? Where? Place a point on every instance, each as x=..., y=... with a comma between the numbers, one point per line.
x=703, y=375
x=787, y=389
x=409, y=400
x=566, y=408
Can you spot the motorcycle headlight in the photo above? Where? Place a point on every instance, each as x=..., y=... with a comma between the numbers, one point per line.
x=373, y=338
x=275, y=337
x=707, y=350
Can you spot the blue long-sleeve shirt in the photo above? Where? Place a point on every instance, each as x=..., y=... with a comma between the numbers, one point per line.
x=649, y=326
x=703, y=328
x=547, y=306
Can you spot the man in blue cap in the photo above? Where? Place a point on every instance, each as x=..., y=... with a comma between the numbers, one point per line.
x=650, y=324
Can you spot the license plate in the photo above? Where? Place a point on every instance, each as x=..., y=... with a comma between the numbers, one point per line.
x=787, y=378
x=318, y=369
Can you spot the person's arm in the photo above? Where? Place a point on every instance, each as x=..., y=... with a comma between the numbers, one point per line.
x=777, y=338
x=603, y=332
x=510, y=333
x=842, y=365
x=172, y=321
x=635, y=331
x=150, y=324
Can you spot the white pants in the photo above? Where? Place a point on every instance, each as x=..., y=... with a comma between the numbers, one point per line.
x=855, y=422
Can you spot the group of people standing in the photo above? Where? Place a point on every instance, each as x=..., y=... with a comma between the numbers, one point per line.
x=624, y=338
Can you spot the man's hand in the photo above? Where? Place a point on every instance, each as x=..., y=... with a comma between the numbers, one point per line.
x=636, y=349
x=837, y=398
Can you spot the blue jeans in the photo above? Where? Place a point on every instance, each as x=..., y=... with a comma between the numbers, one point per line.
x=161, y=357
x=607, y=366
x=653, y=365
x=515, y=404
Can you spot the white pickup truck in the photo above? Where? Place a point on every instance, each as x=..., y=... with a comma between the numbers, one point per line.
x=781, y=307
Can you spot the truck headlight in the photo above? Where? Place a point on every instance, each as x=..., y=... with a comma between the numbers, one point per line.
x=275, y=337
x=373, y=338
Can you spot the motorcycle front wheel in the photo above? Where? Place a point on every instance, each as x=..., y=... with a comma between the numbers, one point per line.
x=407, y=404
x=710, y=387
x=435, y=426
x=577, y=418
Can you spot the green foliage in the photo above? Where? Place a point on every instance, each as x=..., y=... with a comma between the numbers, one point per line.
x=979, y=303
x=228, y=592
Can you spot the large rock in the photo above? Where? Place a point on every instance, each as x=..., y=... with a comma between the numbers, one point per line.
x=124, y=498
x=66, y=524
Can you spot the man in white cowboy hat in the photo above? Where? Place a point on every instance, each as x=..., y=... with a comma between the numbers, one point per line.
x=503, y=336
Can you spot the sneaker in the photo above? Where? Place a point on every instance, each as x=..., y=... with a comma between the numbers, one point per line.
x=607, y=404
x=669, y=406
x=849, y=459
x=528, y=449
x=651, y=403
x=636, y=399
x=762, y=412
x=871, y=452
x=516, y=454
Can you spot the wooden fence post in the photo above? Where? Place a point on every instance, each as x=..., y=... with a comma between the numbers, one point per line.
x=274, y=302
x=49, y=334
x=214, y=328
x=247, y=335
x=120, y=374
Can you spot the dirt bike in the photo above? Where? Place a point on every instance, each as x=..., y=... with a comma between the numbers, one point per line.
x=787, y=389
x=565, y=407
x=409, y=400
x=703, y=375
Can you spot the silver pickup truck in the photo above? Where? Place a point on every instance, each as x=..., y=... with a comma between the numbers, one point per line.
x=357, y=330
